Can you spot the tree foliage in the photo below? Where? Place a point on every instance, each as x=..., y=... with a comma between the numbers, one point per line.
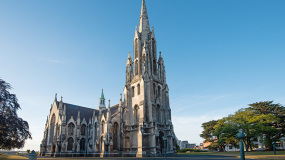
x=269, y=108
x=208, y=131
x=13, y=129
x=261, y=119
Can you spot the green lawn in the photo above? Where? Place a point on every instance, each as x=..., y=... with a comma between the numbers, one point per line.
x=269, y=155
x=11, y=157
x=234, y=153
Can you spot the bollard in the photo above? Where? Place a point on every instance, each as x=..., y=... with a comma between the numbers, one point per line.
x=240, y=136
x=33, y=155
x=274, y=149
x=242, y=157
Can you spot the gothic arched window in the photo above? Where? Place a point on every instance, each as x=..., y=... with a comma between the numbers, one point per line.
x=158, y=92
x=115, y=136
x=133, y=91
x=136, y=67
x=136, y=114
x=136, y=48
x=139, y=89
x=153, y=88
x=82, y=144
x=95, y=131
x=52, y=126
x=154, y=67
x=90, y=130
x=83, y=128
x=70, y=129
x=102, y=126
x=70, y=143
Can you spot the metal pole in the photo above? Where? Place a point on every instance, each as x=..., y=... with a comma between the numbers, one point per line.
x=274, y=149
x=165, y=149
x=241, y=150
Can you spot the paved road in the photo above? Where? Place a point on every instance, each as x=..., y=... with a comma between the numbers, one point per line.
x=192, y=157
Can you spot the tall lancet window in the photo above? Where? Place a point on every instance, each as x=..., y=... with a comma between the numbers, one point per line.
x=136, y=48
x=136, y=114
x=133, y=91
x=136, y=68
x=70, y=129
x=83, y=128
x=115, y=136
x=95, y=131
x=102, y=126
x=154, y=66
x=52, y=126
x=70, y=142
x=139, y=89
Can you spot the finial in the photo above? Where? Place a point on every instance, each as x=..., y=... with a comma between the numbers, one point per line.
x=152, y=27
x=160, y=54
x=109, y=103
x=120, y=96
x=136, y=28
x=55, y=98
x=61, y=99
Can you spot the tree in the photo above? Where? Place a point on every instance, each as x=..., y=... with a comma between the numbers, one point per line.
x=252, y=124
x=269, y=108
x=225, y=132
x=13, y=129
x=207, y=134
x=208, y=131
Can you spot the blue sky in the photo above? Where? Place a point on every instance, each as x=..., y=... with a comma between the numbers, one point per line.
x=219, y=55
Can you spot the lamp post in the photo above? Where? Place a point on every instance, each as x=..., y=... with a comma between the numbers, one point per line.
x=240, y=136
x=164, y=140
x=273, y=143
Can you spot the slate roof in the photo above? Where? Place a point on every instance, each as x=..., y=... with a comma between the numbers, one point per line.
x=87, y=113
x=72, y=110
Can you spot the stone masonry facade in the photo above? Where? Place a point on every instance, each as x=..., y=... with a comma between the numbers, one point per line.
x=135, y=127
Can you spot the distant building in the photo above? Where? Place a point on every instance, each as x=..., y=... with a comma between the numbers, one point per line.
x=191, y=145
x=184, y=144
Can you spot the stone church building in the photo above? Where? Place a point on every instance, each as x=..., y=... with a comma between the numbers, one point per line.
x=137, y=126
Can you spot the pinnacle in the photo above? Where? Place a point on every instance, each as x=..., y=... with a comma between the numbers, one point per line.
x=102, y=95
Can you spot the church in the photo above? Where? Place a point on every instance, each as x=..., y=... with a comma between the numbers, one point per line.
x=138, y=126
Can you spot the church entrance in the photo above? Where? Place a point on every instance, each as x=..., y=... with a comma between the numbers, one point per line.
x=161, y=144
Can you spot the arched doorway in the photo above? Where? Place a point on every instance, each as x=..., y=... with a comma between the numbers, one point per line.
x=161, y=144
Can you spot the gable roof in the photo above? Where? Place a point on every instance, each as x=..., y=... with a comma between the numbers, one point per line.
x=87, y=113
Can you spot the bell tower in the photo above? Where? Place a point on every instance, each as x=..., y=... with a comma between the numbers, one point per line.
x=146, y=100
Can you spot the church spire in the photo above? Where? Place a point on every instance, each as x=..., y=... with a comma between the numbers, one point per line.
x=144, y=23
x=102, y=101
x=102, y=95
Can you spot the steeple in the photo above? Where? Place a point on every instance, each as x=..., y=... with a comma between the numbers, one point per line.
x=102, y=101
x=144, y=23
x=102, y=95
